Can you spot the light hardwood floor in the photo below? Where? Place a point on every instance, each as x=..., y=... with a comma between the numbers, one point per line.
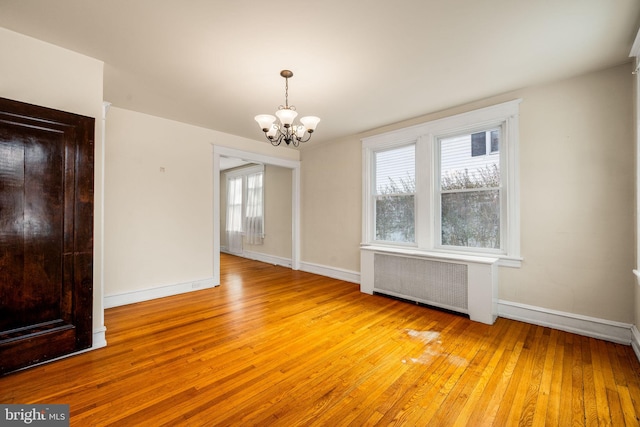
x=273, y=346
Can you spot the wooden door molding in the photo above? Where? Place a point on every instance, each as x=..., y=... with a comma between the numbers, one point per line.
x=46, y=233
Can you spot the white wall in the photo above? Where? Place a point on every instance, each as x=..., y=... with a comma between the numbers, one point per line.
x=278, y=220
x=159, y=202
x=577, y=197
x=43, y=74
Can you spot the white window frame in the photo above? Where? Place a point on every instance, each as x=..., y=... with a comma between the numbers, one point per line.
x=426, y=137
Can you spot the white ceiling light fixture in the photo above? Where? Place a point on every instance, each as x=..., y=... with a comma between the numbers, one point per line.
x=287, y=131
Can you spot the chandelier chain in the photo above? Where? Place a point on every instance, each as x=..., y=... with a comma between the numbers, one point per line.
x=286, y=93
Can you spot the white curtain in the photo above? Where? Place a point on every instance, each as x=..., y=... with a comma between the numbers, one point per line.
x=254, y=212
x=234, y=215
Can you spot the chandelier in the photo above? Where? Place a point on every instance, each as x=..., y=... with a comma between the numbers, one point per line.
x=287, y=131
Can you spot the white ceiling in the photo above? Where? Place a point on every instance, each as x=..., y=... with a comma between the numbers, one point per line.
x=358, y=65
x=231, y=162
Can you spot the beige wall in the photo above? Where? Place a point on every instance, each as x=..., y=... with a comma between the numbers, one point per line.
x=159, y=200
x=43, y=74
x=277, y=213
x=577, y=196
x=331, y=206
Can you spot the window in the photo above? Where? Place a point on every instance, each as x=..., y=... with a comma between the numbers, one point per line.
x=469, y=190
x=395, y=194
x=253, y=217
x=449, y=185
x=245, y=207
x=234, y=204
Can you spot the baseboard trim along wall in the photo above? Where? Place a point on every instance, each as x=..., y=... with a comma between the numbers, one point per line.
x=269, y=259
x=582, y=325
x=334, y=273
x=132, y=297
x=99, y=338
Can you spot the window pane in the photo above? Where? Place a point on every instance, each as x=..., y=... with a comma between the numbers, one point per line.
x=396, y=170
x=471, y=219
x=254, y=195
x=254, y=224
x=395, y=219
x=478, y=144
x=234, y=204
x=495, y=141
x=459, y=169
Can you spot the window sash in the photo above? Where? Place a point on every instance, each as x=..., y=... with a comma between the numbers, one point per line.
x=471, y=219
x=395, y=218
x=394, y=193
x=474, y=236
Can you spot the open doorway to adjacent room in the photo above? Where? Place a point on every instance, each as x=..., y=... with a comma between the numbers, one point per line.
x=281, y=214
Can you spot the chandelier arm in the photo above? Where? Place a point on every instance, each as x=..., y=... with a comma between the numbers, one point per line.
x=275, y=141
x=304, y=139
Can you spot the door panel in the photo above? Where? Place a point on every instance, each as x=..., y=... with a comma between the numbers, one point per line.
x=46, y=233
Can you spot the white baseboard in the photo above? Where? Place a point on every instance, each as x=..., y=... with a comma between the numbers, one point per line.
x=99, y=338
x=269, y=259
x=333, y=272
x=583, y=325
x=156, y=292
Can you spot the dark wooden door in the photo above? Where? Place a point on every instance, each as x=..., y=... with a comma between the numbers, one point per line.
x=46, y=234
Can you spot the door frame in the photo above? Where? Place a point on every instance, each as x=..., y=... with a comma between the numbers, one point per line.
x=294, y=165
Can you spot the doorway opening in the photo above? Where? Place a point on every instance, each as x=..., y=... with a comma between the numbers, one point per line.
x=223, y=155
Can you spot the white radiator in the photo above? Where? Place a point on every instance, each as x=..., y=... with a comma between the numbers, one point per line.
x=465, y=284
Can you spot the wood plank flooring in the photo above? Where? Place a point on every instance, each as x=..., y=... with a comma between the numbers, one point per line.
x=272, y=346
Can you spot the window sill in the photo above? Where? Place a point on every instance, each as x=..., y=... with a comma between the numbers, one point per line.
x=502, y=261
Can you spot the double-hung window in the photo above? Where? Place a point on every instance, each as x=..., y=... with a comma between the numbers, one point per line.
x=450, y=185
x=394, y=194
x=469, y=193
x=245, y=207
